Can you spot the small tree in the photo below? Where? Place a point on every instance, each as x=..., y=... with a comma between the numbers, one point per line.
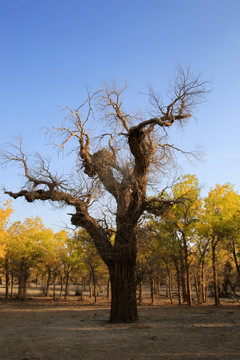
x=5, y=212
x=184, y=219
x=23, y=250
x=117, y=166
x=90, y=260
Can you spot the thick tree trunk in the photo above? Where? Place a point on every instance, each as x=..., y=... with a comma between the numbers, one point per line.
x=123, y=291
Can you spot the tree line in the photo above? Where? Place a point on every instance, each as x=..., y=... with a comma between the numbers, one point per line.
x=193, y=249
x=29, y=252
x=196, y=245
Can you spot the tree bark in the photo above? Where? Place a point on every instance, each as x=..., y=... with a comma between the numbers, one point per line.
x=123, y=290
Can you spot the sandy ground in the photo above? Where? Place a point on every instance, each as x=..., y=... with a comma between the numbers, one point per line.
x=45, y=329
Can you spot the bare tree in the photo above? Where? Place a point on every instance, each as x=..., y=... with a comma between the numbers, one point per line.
x=118, y=165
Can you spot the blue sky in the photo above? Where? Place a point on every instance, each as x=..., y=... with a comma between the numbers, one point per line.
x=51, y=49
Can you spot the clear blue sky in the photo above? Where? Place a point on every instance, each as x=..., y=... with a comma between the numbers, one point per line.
x=50, y=49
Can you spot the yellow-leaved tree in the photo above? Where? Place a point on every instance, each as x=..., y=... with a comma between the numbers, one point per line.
x=221, y=206
x=5, y=212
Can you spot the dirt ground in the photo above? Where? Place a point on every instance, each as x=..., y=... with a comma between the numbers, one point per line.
x=44, y=329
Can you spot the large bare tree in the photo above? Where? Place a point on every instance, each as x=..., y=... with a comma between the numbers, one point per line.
x=117, y=167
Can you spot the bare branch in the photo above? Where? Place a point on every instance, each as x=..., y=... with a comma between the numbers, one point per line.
x=112, y=104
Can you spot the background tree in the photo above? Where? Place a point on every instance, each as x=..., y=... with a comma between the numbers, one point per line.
x=169, y=248
x=5, y=212
x=71, y=256
x=117, y=168
x=221, y=204
x=232, y=240
x=23, y=250
x=51, y=267
x=90, y=260
x=148, y=260
x=202, y=260
x=182, y=220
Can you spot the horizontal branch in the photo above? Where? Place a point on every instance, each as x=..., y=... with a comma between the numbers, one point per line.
x=80, y=218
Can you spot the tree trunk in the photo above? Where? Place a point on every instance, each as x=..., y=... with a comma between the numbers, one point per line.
x=183, y=280
x=215, y=275
x=236, y=261
x=108, y=288
x=94, y=283
x=48, y=283
x=197, y=284
x=6, y=279
x=170, y=286
x=140, y=293
x=187, y=269
x=54, y=285
x=25, y=279
x=203, y=282
x=123, y=291
x=20, y=286
x=158, y=286
x=61, y=286
x=178, y=280
x=12, y=283
x=66, y=285
x=152, y=289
